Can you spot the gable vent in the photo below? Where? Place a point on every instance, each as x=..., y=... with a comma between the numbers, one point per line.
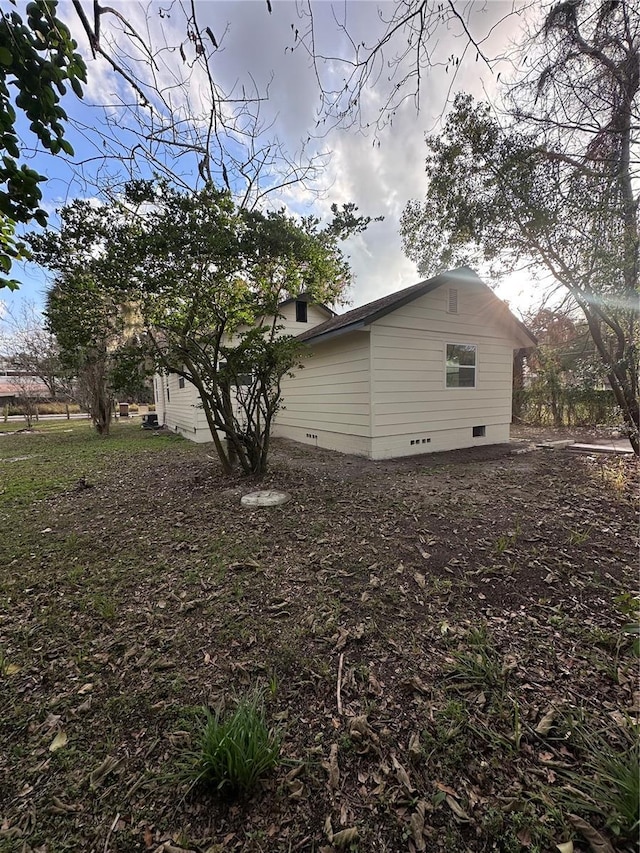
x=452, y=304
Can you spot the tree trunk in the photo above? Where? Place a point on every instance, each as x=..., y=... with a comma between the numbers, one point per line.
x=518, y=385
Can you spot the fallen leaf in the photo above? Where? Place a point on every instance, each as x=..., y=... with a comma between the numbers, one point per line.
x=544, y=726
x=109, y=765
x=332, y=767
x=566, y=847
x=328, y=828
x=402, y=775
x=417, y=826
x=598, y=843
x=415, y=749
x=417, y=684
x=524, y=837
x=441, y=787
x=457, y=809
x=345, y=837
x=58, y=742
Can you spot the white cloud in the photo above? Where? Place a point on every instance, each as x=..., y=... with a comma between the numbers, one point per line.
x=255, y=45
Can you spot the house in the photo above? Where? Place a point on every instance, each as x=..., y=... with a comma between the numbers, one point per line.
x=425, y=369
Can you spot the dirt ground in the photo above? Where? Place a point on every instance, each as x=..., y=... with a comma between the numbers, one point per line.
x=412, y=622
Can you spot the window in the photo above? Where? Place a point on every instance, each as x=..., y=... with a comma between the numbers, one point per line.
x=181, y=382
x=461, y=366
x=452, y=301
x=301, y=311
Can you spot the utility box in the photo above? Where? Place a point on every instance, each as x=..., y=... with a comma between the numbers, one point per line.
x=150, y=421
x=124, y=410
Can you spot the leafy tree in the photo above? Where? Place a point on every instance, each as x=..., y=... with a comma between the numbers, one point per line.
x=554, y=187
x=88, y=309
x=37, y=58
x=564, y=366
x=209, y=277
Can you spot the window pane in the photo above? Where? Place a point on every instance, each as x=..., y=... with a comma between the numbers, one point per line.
x=461, y=354
x=452, y=377
x=467, y=377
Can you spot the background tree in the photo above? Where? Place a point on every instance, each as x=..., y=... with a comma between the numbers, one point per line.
x=37, y=58
x=87, y=308
x=402, y=44
x=554, y=186
x=31, y=349
x=566, y=376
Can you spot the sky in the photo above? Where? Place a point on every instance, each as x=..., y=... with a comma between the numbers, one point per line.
x=379, y=171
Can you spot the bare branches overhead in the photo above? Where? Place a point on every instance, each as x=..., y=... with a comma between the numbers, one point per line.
x=394, y=63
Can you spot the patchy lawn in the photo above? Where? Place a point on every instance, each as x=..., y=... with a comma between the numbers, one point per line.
x=440, y=641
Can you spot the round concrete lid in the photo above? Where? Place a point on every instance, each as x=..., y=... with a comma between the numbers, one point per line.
x=268, y=497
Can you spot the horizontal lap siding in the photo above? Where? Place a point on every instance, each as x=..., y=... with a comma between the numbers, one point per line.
x=410, y=400
x=329, y=397
x=183, y=412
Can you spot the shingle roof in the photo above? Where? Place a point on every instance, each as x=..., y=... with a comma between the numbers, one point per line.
x=366, y=314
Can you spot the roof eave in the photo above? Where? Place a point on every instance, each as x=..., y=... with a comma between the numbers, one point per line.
x=334, y=333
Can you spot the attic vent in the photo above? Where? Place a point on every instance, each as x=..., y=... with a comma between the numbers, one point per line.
x=301, y=311
x=452, y=304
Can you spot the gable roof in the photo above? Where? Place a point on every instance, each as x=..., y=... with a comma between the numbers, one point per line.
x=360, y=317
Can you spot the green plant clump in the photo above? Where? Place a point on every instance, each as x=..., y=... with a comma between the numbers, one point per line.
x=608, y=783
x=235, y=752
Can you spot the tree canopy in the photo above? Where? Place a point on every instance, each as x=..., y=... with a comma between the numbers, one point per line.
x=209, y=281
x=88, y=307
x=551, y=183
x=37, y=58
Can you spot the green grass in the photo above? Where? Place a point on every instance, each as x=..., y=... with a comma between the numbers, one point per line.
x=40, y=464
x=477, y=664
x=236, y=750
x=608, y=781
x=44, y=464
x=127, y=606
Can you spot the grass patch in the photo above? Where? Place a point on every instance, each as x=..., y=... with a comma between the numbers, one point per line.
x=607, y=783
x=236, y=749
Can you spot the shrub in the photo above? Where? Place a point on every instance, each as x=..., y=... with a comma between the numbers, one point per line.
x=236, y=751
x=51, y=408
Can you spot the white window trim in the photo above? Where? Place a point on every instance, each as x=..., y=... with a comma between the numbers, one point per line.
x=475, y=366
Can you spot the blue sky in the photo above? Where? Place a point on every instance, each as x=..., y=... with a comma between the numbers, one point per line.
x=255, y=49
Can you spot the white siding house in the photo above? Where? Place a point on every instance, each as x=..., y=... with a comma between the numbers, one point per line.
x=428, y=368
